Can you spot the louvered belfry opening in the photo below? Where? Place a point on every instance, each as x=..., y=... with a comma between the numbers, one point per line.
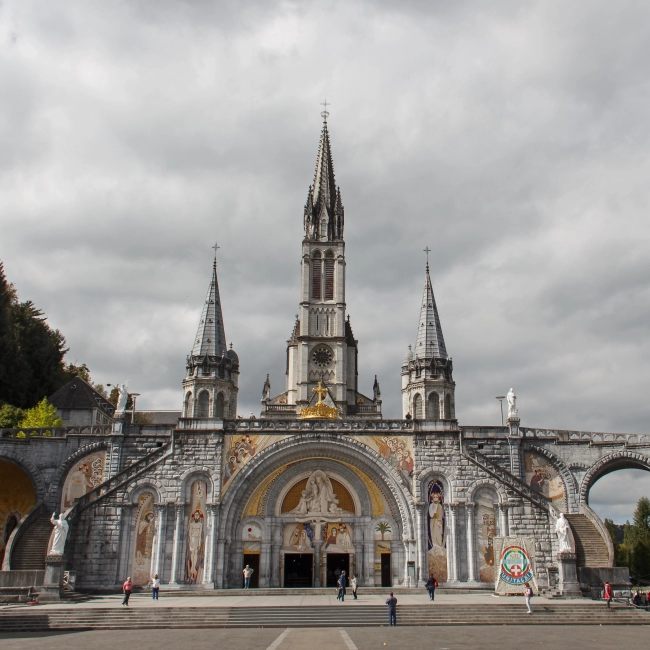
x=316, y=277
x=329, y=279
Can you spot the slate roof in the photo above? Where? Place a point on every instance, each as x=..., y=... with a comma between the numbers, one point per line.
x=78, y=394
x=211, y=336
x=430, y=342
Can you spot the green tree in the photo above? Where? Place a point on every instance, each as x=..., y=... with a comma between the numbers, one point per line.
x=10, y=416
x=72, y=370
x=42, y=415
x=383, y=527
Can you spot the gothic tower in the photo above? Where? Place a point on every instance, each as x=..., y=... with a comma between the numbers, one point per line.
x=212, y=371
x=427, y=382
x=322, y=346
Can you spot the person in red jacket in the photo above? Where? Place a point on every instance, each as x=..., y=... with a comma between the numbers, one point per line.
x=608, y=593
x=127, y=588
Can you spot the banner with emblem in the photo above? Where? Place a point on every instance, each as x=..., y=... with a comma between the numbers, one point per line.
x=516, y=556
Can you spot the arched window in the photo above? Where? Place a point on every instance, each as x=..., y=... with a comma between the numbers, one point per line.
x=189, y=402
x=417, y=406
x=323, y=229
x=218, y=407
x=204, y=404
x=329, y=276
x=434, y=407
x=316, y=277
x=448, y=413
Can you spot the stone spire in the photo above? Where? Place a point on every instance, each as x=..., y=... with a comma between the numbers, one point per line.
x=211, y=336
x=430, y=342
x=324, y=214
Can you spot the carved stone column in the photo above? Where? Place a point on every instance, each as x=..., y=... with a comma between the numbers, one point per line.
x=176, y=549
x=276, y=533
x=452, y=555
x=316, y=560
x=158, y=544
x=420, y=537
x=265, y=563
x=471, y=543
x=503, y=519
x=221, y=562
x=208, y=578
x=369, y=561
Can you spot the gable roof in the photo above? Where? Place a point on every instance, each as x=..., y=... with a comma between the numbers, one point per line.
x=78, y=394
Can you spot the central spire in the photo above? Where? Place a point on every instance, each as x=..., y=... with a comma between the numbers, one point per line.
x=324, y=209
x=211, y=336
x=430, y=342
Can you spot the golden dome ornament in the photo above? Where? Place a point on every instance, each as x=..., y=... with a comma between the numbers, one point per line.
x=320, y=411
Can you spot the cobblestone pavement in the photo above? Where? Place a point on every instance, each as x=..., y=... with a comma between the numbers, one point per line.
x=380, y=638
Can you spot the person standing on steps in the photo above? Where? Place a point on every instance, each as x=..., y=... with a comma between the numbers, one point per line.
x=127, y=588
x=353, y=584
x=528, y=594
x=431, y=585
x=248, y=572
x=391, y=601
x=155, y=587
x=608, y=593
x=343, y=583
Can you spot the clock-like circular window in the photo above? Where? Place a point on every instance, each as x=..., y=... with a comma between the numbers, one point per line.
x=322, y=356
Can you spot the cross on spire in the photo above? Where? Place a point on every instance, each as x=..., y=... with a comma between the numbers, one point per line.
x=216, y=248
x=321, y=391
x=427, y=250
x=325, y=114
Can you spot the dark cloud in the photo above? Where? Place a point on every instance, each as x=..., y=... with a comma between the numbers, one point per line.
x=511, y=139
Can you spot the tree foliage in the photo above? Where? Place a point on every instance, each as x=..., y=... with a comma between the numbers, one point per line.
x=634, y=550
x=42, y=415
x=10, y=416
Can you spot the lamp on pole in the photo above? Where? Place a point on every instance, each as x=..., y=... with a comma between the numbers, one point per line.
x=501, y=398
x=134, y=396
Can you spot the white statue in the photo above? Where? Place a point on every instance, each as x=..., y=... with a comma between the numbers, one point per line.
x=61, y=528
x=564, y=535
x=123, y=397
x=512, y=404
x=318, y=497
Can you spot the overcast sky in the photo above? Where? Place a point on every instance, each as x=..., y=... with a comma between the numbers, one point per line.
x=510, y=139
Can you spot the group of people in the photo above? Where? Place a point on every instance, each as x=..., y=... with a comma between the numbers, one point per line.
x=127, y=589
x=342, y=583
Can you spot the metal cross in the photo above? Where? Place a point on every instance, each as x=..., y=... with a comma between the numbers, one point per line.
x=325, y=114
x=321, y=391
x=216, y=248
x=427, y=250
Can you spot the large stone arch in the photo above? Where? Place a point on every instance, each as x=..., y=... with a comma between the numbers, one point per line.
x=59, y=476
x=434, y=473
x=30, y=469
x=570, y=485
x=623, y=459
x=487, y=483
x=304, y=447
x=146, y=484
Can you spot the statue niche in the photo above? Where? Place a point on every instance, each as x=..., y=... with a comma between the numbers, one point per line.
x=317, y=497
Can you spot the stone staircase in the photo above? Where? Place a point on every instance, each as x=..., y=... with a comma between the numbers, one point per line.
x=590, y=546
x=31, y=548
x=80, y=617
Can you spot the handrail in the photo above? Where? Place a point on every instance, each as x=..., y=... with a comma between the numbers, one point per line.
x=23, y=526
x=602, y=529
x=514, y=483
x=24, y=433
x=108, y=487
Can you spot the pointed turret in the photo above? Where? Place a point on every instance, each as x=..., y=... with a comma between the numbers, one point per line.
x=211, y=336
x=430, y=342
x=324, y=208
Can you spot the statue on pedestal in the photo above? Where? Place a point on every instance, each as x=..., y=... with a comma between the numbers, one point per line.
x=512, y=404
x=61, y=528
x=123, y=397
x=564, y=535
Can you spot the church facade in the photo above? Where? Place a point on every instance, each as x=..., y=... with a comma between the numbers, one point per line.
x=320, y=482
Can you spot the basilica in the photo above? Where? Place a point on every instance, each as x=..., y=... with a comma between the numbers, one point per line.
x=317, y=483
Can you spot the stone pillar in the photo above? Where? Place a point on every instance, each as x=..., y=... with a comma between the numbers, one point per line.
x=316, y=560
x=369, y=561
x=422, y=571
x=221, y=562
x=159, y=541
x=471, y=542
x=208, y=579
x=452, y=555
x=176, y=550
x=406, y=546
x=276, y=533
x=503, y=519
x=53, y=580
x=265, y=552
x=568, y=575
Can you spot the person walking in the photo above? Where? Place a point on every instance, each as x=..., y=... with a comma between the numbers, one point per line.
x=248, y=572
x=343, y=583
x=391, y=601
x=528, y=594
x=353, y=584
x=155, y=587
x=127, y=588
x=608, y=593
x=431, y=585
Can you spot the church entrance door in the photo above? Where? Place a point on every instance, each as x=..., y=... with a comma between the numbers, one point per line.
x=337, y=562
x=386, y=578
x=298, y=569
x=253, y=561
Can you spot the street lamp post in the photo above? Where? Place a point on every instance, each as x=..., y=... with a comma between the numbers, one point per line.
x=134, y=396
x=501, y=398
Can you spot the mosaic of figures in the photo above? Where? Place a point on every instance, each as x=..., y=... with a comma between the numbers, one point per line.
x=145, y=529
x=486, y=531
x=319, y=498
x=397, y=450
x=195, y=551
x=544, y=478
x=85, y=475
x=17, y=498
x=436, y=530
x=252, y=537
x=238, y=452
x=336, y=537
